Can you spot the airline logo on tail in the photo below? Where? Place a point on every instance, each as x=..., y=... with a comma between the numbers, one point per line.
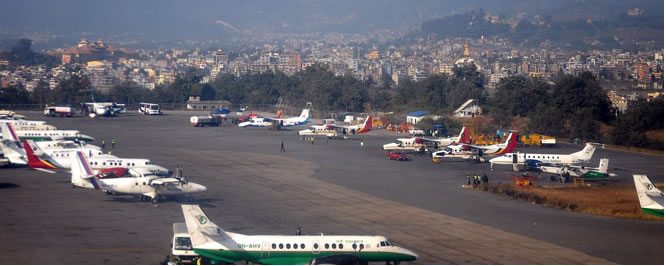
x=367, y=126
x=33, y=160
x=464, y=136
x=80, y=163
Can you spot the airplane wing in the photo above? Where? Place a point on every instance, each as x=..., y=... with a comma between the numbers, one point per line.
x=165, y=181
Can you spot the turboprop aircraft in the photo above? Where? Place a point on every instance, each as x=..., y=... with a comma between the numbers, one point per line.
x=332, y=130
x=281, y=122
x=22, y=122
x=54, y=159
x=651, y=199
x=39, y=135
x=149, y=187
x=463, y=137
x=214, y=243
x=470, y=151
x=531, y=159
x=565, y=172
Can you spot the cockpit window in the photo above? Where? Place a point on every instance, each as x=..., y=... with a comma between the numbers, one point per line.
x=183, y=243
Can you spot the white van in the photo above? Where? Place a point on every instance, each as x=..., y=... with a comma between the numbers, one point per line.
x=150, y=109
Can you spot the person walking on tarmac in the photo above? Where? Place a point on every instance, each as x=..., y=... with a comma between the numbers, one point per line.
x=312, y=140
x=103, y=144
x=282, y=147
x=484, y=179
x=113, y=143
x=469, y=180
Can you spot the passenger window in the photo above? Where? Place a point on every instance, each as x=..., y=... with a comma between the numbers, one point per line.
x=340, y=246
x=316, y=246
x=295, y=246
x=273, y=246
x=302, y=246
x=281, y=246
x=333, y=246
x=383, y=244
x=326, y=246
x=361, y=246
x=354, y=246
x=288, y=246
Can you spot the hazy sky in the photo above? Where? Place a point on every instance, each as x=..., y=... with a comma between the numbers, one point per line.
x=170, y=19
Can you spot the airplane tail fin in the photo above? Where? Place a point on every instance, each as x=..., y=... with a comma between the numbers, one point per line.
x=82, y=174
x=464, y=136
x=200, y=227
x=651, y=198
x=603, y=165
x=367, y=125
x=305, y=114
x=586, y=153
x=279, y=114
x=511, y=142
x=33, y=153
x=8, y=133
x=13, y=152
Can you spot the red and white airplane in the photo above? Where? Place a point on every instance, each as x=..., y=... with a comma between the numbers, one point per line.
x=333, y=130
x=466, y=151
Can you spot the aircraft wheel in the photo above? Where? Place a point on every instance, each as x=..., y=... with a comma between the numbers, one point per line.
x=155, y=200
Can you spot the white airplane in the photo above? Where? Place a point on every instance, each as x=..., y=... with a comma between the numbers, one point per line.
x=22, y=122
x=40, y=135
x=651, y=198
x=332, y=130
x=532, y=159
x=470, y=151
x=150, y=186
x=566, y=171
x=59, y=158
x=463, y=137
x=408, y=143
x=44, y=127
x=282, y=122
x=213, y=242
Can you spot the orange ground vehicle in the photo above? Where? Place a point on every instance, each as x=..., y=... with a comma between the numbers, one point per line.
x=524, y=180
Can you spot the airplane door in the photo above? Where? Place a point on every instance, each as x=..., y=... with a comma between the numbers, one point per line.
x=315, y=247
x=265, y=250
x=515, y=158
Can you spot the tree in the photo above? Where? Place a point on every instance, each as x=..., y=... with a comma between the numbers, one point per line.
x=73, y=90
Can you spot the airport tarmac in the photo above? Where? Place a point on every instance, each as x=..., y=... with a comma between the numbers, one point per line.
x=334, y=187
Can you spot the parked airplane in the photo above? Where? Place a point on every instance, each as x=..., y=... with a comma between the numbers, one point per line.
x=23, y=127
x=39, y=135
x=463, y=137
x=213, y=242
x=282, y=122
x=151, y=187
x=651, y=198
x=59, y=158
x=408, y=143
x=532, y=159
x=22, y=122
x=332, y=130
x=470, y=151
x=565, y=172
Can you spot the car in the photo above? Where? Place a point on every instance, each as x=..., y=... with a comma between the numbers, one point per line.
x=397, y=156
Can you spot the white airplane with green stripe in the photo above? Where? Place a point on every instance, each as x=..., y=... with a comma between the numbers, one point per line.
x=210, y=241
x=651, y=198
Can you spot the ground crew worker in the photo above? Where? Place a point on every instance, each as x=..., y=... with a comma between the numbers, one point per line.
x=113, y=143
x=484, y=179
x=103, y=143
x=361, y=144
x=109, y=152
x=180, y=171
x=298, y=231
x=282, y=147
x=312, y=140
x=469, y=180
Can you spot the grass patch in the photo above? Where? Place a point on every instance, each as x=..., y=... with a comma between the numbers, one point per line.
x=608, y=200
